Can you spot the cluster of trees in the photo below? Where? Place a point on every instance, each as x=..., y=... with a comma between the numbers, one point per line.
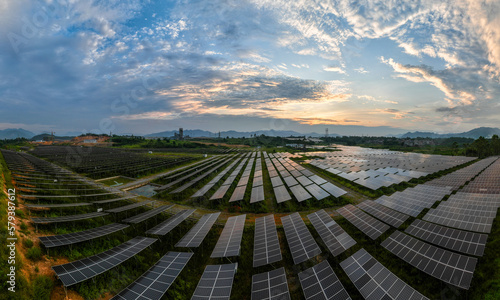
x=119, y=141
x=484, y=147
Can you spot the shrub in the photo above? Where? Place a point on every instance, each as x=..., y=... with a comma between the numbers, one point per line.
x=23, y=226
x=19, y=213
x=34, y=253
x=28, y=243
x=42, y=287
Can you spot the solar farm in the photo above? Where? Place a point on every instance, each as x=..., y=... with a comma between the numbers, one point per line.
x=354, y=223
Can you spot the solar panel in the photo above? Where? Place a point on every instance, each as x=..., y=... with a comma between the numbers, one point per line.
x=216, y=282
x=266, y=246
x=83, y=269
x=257, y=194
x=129, y=207
x=445, y=265
x=318, y=180
x=461, y=221
x=243, y=180
x=221, y=191
x=35, y=206
x=155, y=282
x=270, y=285
x=383, y=213
x=454, y=239
x=367, y=224
x=304, y=180
x=199, y=231
x=321, y=283
x=113, y=200
x=317, y=192
x=290, y=181
x=238, y=193
x=166, y=226
x=230, y=238
x=334, y=190
x=334, y=237
x=300, y=241
x=374, y=281
x=300, y=193
x=64, y=196
x=258, y=181
x=276, y=181
x=148, y=214
x=281, y=194
x=69, y=218
x=80, y=236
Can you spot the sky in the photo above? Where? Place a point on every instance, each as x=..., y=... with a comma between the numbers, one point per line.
x=354, y=67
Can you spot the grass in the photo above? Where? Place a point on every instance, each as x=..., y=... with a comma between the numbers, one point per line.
x=34, y=253
x=42, y=287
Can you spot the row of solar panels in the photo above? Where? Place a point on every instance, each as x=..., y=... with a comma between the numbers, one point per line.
x=371, y=278
x=354, y=159
x=302, y=183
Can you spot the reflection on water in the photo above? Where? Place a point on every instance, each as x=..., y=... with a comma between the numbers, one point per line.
x=145, y=190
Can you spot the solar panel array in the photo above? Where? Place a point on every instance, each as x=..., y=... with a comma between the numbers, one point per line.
x=199, y=231
x=472, y=212
x=213, y=181
x=148, y=214
x=334, y=237
x=300, y=241
x=454, y=239
x=239, y=191
x=412, y=201
x=462, y=176
x=270, y=285
x=266, y=246
x=487, y=181
x=166, y=226
x=69, y=218
x=155, y=282
x=195, y=169
x=257, y=193
x=203, y=175
x=80, y=236
x=321, y=283
x=230, y=238
x=219, y=194
x=364, y=222
x=375, y=168
x=383, y=213
x=302, y=183
x=81, y=270
x=374, y=281
x=129, y=207
x=216, y=282
x=450, y=267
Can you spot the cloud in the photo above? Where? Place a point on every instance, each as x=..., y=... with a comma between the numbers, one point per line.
x=361, y=70
x=459, y=85
x=397, y=114
x=323, y=121
x=334, y=69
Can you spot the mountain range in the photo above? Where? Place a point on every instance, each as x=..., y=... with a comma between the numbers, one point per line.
x=486, y=132
x=14, y=133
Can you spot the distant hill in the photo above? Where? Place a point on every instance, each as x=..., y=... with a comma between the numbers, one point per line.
x=486, y=132
x=234, y=134
x=13, y=133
